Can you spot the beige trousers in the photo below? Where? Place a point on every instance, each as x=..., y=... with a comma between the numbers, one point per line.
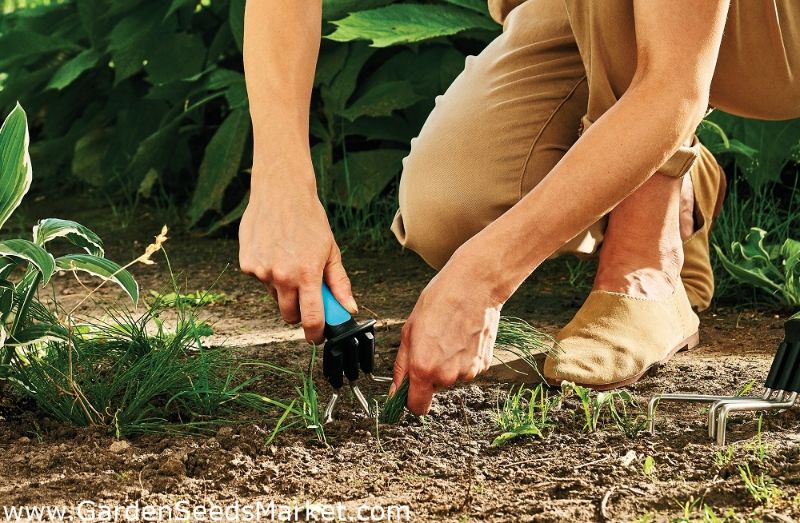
x=558, y=66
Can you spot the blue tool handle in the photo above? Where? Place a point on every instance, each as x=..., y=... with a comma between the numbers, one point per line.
x=335, y=314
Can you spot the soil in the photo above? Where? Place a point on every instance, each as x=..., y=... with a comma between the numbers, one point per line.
x=443, y=468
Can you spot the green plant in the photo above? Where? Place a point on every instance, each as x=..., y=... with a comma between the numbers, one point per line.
x=649, y=466
x=614, y=404
x=176, y=299
x=761, y=488
x=773, y=269
x=578, y=271
x=29, y=259
x=146, y=97
x=759, y=448
x=724, y=456
x=395, y=404
x=525, y=412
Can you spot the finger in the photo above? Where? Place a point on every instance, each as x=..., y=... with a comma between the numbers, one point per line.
x=288, y=304
x=311, y=312
x=420, y=396
x=400, y=368
x=339, y=283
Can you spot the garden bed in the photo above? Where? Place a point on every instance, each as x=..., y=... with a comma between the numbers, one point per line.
x=444, y=469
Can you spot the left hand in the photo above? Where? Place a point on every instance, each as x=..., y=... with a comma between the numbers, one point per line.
x=449, y=335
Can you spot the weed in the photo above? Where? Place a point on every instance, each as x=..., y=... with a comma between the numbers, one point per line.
x=648, y=517
x=761, y=488
x=579, y=270
x=194, y=299
x=613, y=403
x=393, y=408
x=758, y=447
x=525, y=412
x=724, y=456
x=310, y=401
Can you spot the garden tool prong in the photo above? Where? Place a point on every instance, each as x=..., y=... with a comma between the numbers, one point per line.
x=781, y=388
x=349, y=351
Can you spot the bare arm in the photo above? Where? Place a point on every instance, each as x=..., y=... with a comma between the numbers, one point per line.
x=284, y=237
x=676, y=57
x=449, y=336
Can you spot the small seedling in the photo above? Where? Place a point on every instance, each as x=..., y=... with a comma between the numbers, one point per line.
x=648, y=517
x=758, y=447
x=724, y=456
x=761, y=488
x=525, y=412
x=392, y=410
x=649, y=466
x=192, y=299
x=579, y=272
x=613, y=403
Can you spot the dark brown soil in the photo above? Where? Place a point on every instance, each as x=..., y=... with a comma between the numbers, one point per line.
x=445, y=468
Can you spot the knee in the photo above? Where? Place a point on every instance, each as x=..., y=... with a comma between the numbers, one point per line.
x=434, y=218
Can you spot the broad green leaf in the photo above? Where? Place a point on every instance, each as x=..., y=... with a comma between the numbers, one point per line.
x=231, y=217
x=180, y=56
x=135, y=39
x=236, y=19
x=90, y=151
x=15, y=162
x=154, y=152
x=39, y=333
x=80, y=236
x=331, y=60
x=335, y=9
x=479, y=6
x=102, y=268
x=341, y=88
x=30, y=252
x=6, y=300
x=406, y=23
x=91, y=14
x=220, y=164
x=7, y=266
x=383, y=100
x=72, y=69
x=361, y=176
x=21, y=44
x=749, y=273
x=790, y=251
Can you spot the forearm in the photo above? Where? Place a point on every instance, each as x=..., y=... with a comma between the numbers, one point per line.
x=612, y=158
x=281, y=47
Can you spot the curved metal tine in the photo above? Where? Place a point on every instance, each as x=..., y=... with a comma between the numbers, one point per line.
x=689, y=398
x=712, y=411
x=329, y=408
x=362, y=400
x=380, y=379
x=754, y=405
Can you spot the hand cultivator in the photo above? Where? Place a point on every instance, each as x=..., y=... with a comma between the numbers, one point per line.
x=781, y=388
x=349, y=348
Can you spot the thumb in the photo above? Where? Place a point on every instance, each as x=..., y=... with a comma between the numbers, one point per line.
x=338, y=282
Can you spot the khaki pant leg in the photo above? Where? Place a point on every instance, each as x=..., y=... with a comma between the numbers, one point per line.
x=605, y=33
x=497, y=131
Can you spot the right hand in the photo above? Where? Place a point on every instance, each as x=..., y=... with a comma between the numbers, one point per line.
x=285, y=241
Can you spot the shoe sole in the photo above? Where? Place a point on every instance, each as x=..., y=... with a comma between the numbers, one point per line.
x=688, y=344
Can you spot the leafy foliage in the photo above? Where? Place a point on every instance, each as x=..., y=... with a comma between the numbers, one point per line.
x=525, y=412
x=773, y=269
x=132, y=95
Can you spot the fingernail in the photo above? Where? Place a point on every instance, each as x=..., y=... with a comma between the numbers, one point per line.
x=351, y=304
x=392, y=389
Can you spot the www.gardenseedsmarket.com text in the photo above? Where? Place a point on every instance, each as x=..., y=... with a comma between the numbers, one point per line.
x=185, y=510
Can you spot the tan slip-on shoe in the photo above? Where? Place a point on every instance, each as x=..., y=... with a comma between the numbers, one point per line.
x=709, y=185
x=614, y=339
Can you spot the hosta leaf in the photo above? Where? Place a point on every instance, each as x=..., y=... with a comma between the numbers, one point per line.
x=362, y=175
x=38, y=333
x=236, y=19
x=102, y=268
x=177, y=4
x=790, y=251
x=90, y=151
x=29, y=251
x=7, y=266
x=180, y=56
x=15, y=162
x=406, y=23
x=383, y=100
x=21, y=44
x=80, y=236
x=220, y=164
x=231, y=217
x=72, y=69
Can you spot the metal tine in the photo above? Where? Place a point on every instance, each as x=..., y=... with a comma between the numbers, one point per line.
x=362, y=400
x=689, y=398
x=738, y=406
x=380, y=379
x=331, y=405
x=712, y=411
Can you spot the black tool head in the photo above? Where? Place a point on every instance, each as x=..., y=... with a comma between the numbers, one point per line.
x=350, y=347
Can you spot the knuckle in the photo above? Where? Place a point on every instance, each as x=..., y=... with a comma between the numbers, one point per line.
x=282, y=275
